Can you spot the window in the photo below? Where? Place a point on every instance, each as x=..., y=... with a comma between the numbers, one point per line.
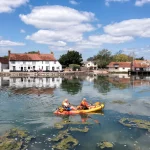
x=13, y=62
x=24, y=62
x=54, y=62
x=123, y=68
x=28, y=67
x=47, y=62
x=57, y=67
x=116, y=67
x=34, y=62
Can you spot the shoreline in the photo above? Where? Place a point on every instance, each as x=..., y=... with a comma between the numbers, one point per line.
x=42, y=74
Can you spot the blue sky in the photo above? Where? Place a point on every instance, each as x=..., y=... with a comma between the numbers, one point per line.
x=83, y=25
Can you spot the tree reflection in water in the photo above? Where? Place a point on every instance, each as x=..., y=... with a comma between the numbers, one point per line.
x=72, y=85
x=102, y=84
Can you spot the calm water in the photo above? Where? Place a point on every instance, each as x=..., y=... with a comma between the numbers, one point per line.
x=28, y=103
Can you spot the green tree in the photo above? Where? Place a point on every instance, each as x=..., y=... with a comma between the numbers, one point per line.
x=72, y=57
x=103, y=58
x=140, y=58
x=33, y=52
x=90, y=59
x=122, y=58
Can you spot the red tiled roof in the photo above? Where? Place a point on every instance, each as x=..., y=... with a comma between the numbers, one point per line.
x=140, y=64
x=4, y=60
x=120, y=64
x=32, y=57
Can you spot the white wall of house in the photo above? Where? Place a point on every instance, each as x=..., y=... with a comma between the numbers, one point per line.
x=35, y=65
x=90, y=64
x=0, y=67
x=35, y=82
x=119, y=69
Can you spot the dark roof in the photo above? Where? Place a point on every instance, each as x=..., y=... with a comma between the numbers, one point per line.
x=4, y=60
x=32, y=57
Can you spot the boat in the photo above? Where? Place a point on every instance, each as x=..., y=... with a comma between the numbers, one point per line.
x=98, y=107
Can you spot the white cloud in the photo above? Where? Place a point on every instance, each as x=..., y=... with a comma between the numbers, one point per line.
x=22, y=31
x=139, y=51
x=73, y=2
x=10, y=43
x=56, y=17
x=109, y=1
x=141, y=2
x=110, y=39
x=58, y=23
x=9, y=5
x=133, y=27
x=48, y=36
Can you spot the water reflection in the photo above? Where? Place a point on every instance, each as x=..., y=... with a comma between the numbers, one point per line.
x=72, y=85
x=102, y=84
x=29, y=103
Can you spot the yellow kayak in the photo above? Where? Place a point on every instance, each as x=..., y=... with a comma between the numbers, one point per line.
x=96, y=107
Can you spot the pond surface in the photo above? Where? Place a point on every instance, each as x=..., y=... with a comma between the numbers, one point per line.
x=29, y=103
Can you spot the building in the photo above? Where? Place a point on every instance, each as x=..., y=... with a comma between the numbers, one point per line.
x=141, y=65
x=91, y=65
x=3, y=64
x=33, y=62
x=119, y=66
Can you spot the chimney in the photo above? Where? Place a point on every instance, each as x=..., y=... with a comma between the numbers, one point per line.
x=51, y=53
x=9, y=52
x=38, y=52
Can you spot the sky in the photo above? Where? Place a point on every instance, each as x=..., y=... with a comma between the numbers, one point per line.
x=87, y=26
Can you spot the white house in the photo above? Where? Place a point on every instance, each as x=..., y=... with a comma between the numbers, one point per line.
x=33, y=62
x=119, y=66
x=3, y=64
x=91, y=64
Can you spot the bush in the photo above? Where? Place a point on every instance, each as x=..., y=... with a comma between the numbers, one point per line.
x=74, y=67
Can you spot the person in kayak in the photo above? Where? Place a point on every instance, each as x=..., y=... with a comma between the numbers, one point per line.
x=66, y=105
x=85, y=105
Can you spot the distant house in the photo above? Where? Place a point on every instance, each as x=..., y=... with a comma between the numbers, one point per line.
x=33, y=62
x=141, y=65
x=3, y=64
x=119, y=66
x=91, y=65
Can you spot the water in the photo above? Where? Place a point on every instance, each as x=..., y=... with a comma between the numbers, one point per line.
x=29, y=103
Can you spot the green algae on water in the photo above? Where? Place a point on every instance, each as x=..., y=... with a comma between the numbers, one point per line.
x=68, y=143
x=131, y=122
x=15, y=139
x=85, y=129
x=104, y=144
